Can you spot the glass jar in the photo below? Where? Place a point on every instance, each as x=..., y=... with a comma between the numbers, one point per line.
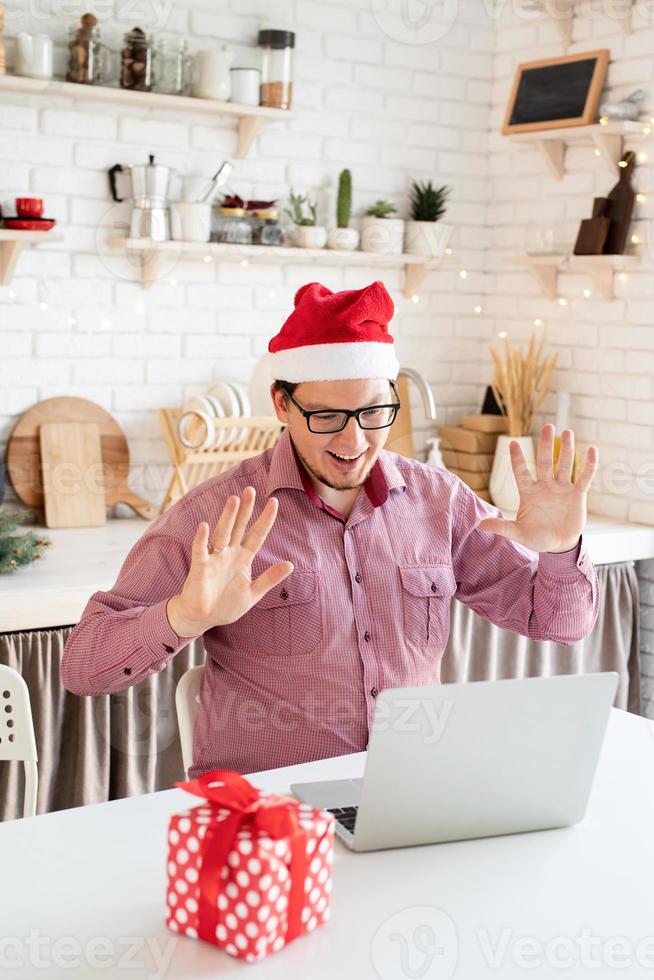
x=232, y=227
x=267, y=229
x=136, y=61
x=277, y=68
x=88, y=59
x=172, y=67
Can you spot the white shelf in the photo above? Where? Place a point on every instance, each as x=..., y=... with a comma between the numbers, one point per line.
x=155, y=256
x=607, y=138
x=562, y=13
x=600, y=268
x=12, y=244
x=250, y=118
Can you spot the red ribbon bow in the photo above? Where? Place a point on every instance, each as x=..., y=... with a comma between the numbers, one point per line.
x=272, y=816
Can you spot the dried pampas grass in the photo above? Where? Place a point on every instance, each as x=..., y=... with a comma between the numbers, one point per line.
x=521, y=383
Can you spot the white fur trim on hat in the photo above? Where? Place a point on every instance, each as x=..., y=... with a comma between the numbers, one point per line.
x=334, y=362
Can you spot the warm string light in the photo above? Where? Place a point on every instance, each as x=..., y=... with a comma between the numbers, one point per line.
x=477, y=308
x=502, y=334
x=604, y=120
x=642, y=158
x=463, y=274
x=641, y=198
x=43, y=306
x=538, y=322
x=623, y=277
x=245, y=262
x=635, y=239
x=208, y=258
x=587, y=293
x=562, y=301
x=597, y=152
x=415, y=298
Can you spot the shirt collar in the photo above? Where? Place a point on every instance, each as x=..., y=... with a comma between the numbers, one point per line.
x=286, y=471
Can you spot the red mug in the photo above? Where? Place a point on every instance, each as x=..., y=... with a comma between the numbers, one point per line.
x=29, y=207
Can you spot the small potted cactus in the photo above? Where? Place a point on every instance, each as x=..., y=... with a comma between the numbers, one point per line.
x=382, y=233
x=343, y=237
x=423, y=235
x=303, y=213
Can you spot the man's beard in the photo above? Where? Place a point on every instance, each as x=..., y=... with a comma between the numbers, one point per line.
x=323, y=479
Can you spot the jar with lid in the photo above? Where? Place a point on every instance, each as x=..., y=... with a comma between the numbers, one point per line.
x=137, y=61
x=277, y=68
x=88, y=59
x=266, y=228
x=232, y=227
x=172, y=75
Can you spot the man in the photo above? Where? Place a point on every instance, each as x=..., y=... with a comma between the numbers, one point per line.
x=331, y=565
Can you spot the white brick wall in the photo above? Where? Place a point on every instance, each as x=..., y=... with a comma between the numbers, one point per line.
x=606, y=351
x=74, y=321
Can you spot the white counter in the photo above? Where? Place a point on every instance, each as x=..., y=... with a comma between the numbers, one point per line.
x=80, y=561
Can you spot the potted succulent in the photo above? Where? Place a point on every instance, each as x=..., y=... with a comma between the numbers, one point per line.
x=428, y=203
x=343, y=237
x=380, y=232
x=306, y=234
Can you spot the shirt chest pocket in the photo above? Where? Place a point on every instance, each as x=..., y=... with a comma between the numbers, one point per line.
x=287, y=622
x=427, y=591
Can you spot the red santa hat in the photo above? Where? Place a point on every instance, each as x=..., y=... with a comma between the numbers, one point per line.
x=335, y=336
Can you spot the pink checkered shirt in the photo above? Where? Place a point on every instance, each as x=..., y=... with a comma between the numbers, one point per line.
x=367, y=607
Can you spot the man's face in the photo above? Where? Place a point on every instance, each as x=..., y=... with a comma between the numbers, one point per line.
x=320, y=451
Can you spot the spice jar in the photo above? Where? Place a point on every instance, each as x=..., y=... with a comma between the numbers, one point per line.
x=232, y=227
x=172, y=67
x=267, y=229
x=277, y=68
x=88, y=58
x=136, y=65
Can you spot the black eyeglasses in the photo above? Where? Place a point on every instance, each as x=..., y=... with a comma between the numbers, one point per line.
x=335, y=419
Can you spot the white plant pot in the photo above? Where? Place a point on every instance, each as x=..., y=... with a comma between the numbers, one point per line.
x=345, y=239
x=426, y=238
x=382, y=235
x=502, y=486
x=309, y=236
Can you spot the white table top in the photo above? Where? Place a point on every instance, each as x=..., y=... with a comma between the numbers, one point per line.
x=80, y=561
x=99, y=871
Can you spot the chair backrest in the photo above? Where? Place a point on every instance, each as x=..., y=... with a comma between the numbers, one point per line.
x=17, y=739
x=187, y=696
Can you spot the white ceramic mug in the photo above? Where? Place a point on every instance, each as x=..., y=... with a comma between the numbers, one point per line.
x=211, y=74
x=33, y=55
x=246, y=86
x=190, y=221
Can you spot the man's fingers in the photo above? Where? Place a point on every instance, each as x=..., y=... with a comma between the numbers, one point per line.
x=544, y=456
x=270, y=578
x=223, y=529
x=588, y=470
x=566, y=457
x=506, y=529
x=199, y=544
x=243, y=516
x=519, y=464
x=261, y=527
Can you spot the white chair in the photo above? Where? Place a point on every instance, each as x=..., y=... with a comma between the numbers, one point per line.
x=187, y=696
x=17, y=741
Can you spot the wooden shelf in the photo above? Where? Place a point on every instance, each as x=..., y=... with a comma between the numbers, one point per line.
x=12, y=244
x=250, y=118
x=607, y=138
x=600, y=268
x=562, y=14
x=157, y=258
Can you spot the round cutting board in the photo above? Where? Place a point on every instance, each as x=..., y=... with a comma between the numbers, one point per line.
x=23, y=457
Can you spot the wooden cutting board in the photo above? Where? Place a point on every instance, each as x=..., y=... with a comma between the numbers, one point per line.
x=73, y=475
x=400, y=437
x=23, y=456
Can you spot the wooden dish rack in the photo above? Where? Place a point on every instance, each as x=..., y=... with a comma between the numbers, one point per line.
x=194, y=466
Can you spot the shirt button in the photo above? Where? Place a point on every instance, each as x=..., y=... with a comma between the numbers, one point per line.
x=434, y=587
x=374, y=692
x=366, y=636
x=357, y=577
x=284, y=594
x=168, y=649
x=127, y=670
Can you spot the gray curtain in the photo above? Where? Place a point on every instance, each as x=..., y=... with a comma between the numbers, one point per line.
x=103, y=748
x=478, y=651
x=93, y=749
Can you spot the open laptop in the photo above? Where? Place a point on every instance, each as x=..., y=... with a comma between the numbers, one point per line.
x=458, y=761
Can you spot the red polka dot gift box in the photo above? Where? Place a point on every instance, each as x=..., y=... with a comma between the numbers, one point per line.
x=246, y=872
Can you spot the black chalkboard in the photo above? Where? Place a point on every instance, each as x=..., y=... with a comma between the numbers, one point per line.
x=560, y=91
x=555, y=92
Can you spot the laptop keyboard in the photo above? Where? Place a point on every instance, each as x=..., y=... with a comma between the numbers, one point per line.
x=346, y=816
